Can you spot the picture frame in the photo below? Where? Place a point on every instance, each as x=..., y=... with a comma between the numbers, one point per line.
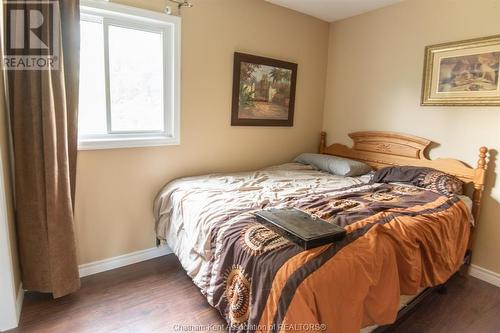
x=263, y=91
x=464, y=73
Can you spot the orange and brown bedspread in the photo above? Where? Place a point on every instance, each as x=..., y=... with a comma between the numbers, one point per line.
x=400, y=238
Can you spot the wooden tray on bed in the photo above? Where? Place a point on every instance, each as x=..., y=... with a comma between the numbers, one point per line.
x=299, y=227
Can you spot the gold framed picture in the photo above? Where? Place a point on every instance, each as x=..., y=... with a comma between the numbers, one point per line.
x=462, y=73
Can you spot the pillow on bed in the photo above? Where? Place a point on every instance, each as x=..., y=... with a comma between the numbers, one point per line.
x=427, y=178
x=333, y=164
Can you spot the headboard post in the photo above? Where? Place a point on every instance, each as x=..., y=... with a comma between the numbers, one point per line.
x=480, y=173
x=477, y=195
x=322, y=143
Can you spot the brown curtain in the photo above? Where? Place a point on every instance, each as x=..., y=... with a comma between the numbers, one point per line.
x=44, y=114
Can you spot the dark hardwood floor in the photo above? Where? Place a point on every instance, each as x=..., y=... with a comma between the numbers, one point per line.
x=157, y=295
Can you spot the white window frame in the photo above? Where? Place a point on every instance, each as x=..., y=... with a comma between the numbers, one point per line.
x=169, y=26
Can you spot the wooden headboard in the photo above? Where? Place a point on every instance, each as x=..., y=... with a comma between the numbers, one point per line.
x=380, y=149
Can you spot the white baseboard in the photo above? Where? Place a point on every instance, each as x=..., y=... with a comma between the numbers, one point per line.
x=155, y=252
x=123, y=260
x=485, y=275
x=19, y=301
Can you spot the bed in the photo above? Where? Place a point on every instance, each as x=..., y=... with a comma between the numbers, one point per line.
x=401, y=239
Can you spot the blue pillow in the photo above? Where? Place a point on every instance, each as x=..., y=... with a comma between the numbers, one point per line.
x=336, y=165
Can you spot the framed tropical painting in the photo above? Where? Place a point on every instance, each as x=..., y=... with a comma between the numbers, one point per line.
x=263, y=91
x=462, y=73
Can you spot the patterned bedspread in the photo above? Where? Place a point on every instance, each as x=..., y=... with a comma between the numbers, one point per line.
x=399, y=238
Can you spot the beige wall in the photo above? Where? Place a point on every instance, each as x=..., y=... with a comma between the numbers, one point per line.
x=116, y=188
x=374, y=83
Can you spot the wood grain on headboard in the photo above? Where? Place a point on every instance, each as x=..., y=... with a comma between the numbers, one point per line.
x=380, y=149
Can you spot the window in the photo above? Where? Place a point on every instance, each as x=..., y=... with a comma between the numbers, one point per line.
x=129, y=77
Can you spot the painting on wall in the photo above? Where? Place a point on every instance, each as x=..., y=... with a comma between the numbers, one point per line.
x=462, y=73
x=263, y=91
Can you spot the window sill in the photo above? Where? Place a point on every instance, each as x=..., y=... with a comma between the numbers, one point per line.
x=117, y=143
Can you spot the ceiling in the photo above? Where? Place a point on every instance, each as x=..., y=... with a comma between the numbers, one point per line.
x=333, y=10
